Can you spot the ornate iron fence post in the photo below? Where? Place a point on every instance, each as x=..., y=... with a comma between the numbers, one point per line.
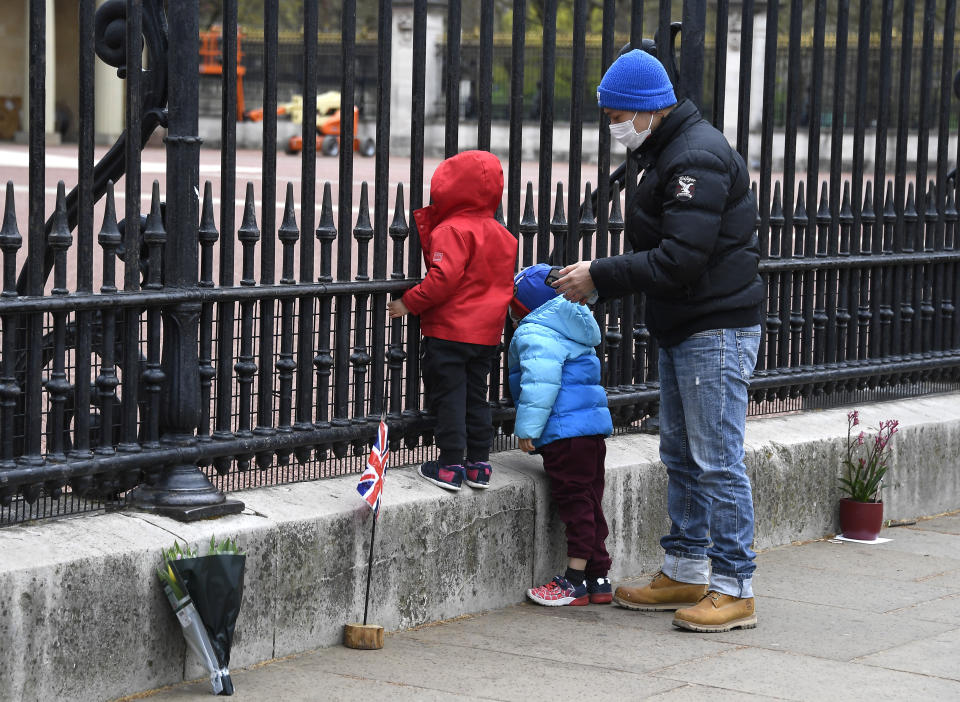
x=183, y=492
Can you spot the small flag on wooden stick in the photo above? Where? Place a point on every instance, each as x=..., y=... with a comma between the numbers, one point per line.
x=370, y=486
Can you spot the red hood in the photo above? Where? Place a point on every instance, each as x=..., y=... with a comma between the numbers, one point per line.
x=471, y=181
x=469, y=257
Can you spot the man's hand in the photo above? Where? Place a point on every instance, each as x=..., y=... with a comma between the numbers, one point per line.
x=526, y=445
x=575, y=282
x=396, y=308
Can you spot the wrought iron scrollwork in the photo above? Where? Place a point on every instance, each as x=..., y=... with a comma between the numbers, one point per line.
x=110, y=23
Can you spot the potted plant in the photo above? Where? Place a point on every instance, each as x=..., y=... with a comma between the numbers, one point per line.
x=865, y=464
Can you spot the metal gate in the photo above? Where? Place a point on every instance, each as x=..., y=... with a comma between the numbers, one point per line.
x=228, y=352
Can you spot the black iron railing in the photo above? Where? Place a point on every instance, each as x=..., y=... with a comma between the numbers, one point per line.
x=227, y=352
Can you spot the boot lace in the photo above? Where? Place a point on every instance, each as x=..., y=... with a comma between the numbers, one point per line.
x=713, y=595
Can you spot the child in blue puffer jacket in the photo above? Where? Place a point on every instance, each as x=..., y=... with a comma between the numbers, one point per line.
x=562, y=414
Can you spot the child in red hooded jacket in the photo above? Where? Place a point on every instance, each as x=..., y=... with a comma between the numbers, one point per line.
x=462, y=303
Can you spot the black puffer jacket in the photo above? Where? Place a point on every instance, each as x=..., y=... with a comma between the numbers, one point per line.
x=690, y=223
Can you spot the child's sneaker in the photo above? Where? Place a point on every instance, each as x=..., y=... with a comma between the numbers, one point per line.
x=559, y=592
x=600, y=590
x=478, y=474
x=447, y=477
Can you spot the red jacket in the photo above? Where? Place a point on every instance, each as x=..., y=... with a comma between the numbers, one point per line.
x=470, y=257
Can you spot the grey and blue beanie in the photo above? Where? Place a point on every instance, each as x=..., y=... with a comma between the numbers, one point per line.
x=636, y=82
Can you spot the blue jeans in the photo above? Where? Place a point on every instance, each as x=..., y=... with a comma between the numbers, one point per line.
x=703, y=410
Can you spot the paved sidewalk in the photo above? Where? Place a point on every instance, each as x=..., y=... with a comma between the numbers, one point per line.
x=837, y=621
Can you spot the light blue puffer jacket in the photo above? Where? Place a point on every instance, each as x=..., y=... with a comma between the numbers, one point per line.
x=555, y=374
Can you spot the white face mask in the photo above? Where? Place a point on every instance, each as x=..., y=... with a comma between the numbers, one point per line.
x=627, y=134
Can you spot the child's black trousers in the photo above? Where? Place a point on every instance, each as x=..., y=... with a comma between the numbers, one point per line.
x=576, y=470
x=455, y=378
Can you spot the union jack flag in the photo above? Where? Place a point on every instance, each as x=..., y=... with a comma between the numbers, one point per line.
x=371, y=480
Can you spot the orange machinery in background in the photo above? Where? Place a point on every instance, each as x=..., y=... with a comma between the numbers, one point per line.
x=211, y=61
x=328, y=112
x=328, y=135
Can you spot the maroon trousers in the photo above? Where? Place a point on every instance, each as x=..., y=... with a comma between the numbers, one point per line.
x=575, y=468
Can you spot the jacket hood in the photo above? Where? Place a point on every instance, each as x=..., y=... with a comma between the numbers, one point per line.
x=469, y=181
x=570, y=319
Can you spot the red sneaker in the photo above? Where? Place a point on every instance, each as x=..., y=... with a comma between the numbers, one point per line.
x=559, y=592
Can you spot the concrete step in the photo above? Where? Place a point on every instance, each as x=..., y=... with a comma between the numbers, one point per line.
x=82, y=616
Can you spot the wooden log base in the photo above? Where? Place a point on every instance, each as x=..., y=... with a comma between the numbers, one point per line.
x=363, y=636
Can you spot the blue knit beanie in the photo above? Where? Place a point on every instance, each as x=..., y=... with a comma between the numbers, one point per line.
x=530, y=290
x=636, y=82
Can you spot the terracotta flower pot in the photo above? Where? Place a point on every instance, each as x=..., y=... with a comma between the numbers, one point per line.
x=860, y=520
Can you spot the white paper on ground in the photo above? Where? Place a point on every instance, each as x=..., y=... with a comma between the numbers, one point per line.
x=841, y=537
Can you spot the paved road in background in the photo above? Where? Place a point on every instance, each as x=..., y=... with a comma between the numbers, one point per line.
x=61, y=164
x=837, y=622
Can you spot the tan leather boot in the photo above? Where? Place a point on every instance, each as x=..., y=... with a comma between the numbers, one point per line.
x=717, y=612
x=661, y=594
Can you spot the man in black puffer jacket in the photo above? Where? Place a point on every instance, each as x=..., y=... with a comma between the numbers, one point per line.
x=690, y=223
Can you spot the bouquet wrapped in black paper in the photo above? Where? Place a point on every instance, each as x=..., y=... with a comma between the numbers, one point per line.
x=205, y=593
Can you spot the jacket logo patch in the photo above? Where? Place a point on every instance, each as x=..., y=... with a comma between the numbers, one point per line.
x=685, y=187
x=437, y=256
